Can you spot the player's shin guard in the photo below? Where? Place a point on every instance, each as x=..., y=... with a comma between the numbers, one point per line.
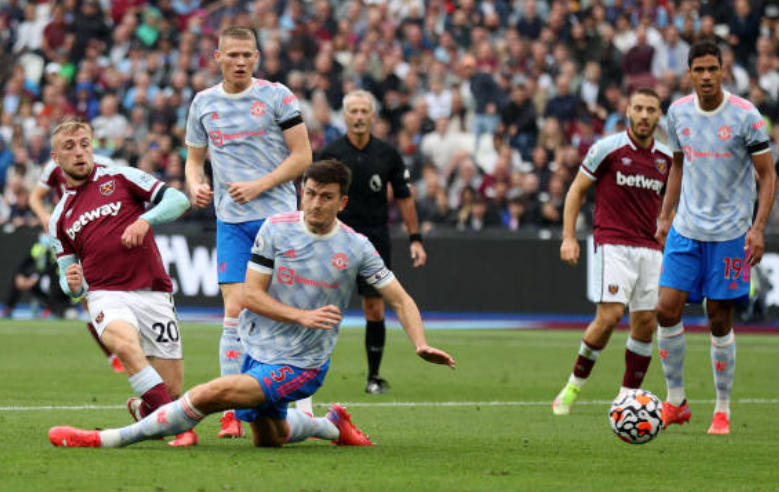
x=149, y=386
x=375, y=339
x=174, y=418
x=672, y=348
x=302, y=426
x=723, y=363
x=638, y=355
x=230, y=349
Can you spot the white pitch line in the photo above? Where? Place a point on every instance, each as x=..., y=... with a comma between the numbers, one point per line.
x=400, y=404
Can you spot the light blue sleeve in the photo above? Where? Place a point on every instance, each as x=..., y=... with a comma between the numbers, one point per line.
x=173, y=204
x=673, y=138
x=755, y=131
x=286, y=104
x=63, y=262
x=372, y=267
x=196, y=134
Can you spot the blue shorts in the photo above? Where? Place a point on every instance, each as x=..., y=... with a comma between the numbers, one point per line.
x=281, y=384
x=711, y=270
x=234, y=249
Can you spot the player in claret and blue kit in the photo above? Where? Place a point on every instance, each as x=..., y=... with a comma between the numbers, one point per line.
x=105, y=248
x=719, y=143
x=629, y=171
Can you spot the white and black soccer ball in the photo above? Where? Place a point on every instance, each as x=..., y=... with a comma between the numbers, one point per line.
x=636, y=416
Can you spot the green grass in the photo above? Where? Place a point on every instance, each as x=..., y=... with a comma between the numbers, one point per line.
x=496, y=431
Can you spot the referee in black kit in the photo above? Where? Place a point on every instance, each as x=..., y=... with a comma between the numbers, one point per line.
x=374, y=163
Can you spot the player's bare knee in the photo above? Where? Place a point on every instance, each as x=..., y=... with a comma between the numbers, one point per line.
x=668, y=315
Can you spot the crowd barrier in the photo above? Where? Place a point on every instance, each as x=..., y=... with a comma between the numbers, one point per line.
x=493, y=271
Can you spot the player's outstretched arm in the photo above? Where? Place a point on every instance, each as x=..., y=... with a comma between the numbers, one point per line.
x=766, y=173
x=298, y=160
x=411, y=320
x=257, y=299
x=199, y=192
x=569, y=249
x=673, y=190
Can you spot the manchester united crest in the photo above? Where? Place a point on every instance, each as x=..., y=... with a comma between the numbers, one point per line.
x=258, y=108
x=340, y=261
x=724, y=132
x=108, y=188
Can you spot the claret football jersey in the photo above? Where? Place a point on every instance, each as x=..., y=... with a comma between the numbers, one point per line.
x=630, y=181
x=89, y=220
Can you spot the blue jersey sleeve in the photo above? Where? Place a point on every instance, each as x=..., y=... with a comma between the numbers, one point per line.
x=196, y=134
x=755, y=135
x=594, y=164
x=263, y=250
x=673, y=138
x=372, y=267
x=287, y=107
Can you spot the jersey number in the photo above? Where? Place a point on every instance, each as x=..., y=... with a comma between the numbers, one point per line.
x=735, y=267
x=282, y=374
x=166, y=333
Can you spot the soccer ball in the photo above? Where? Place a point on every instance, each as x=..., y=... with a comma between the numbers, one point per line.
x=636, y=416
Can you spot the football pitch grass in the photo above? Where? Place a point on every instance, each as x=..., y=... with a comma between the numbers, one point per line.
x=485, y=426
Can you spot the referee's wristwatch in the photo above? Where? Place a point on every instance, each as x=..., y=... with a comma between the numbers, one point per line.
x=416, y=237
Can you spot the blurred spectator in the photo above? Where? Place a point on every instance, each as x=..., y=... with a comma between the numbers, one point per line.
x=519, y=119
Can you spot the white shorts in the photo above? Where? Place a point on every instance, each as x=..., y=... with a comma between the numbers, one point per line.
x=151, y=313
x=628, y=275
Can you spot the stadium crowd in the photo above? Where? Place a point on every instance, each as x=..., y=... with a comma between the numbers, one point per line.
x=492, y=103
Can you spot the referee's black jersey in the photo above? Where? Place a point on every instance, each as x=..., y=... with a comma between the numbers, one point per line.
x=372, y=168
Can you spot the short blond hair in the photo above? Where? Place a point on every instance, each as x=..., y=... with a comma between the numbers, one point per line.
x=68, y=128
x=238, y=32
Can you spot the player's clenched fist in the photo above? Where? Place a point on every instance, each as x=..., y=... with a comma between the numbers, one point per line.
x=201, y=195
x=134, y=234
x=569, y=251
x=75, y=277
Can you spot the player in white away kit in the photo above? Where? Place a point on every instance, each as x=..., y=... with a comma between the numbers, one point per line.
x=719, y=141
x=300, y=279
x=258, y=144
x=106, y=251
x=629, y=171
x=52, y=183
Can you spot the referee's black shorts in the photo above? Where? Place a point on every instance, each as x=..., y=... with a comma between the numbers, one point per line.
x=380, y=238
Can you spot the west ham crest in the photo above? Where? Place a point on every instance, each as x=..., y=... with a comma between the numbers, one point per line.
x=108, y=188
x=662, y=166
x=613, y=289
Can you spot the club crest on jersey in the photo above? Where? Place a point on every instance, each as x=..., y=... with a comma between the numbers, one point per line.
x=108, y=188
x=340, y=261
x=100, y=317
x=662, y=166
x=258, y=108
x=613, y=289
x=686, y=132
x=724, y=132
